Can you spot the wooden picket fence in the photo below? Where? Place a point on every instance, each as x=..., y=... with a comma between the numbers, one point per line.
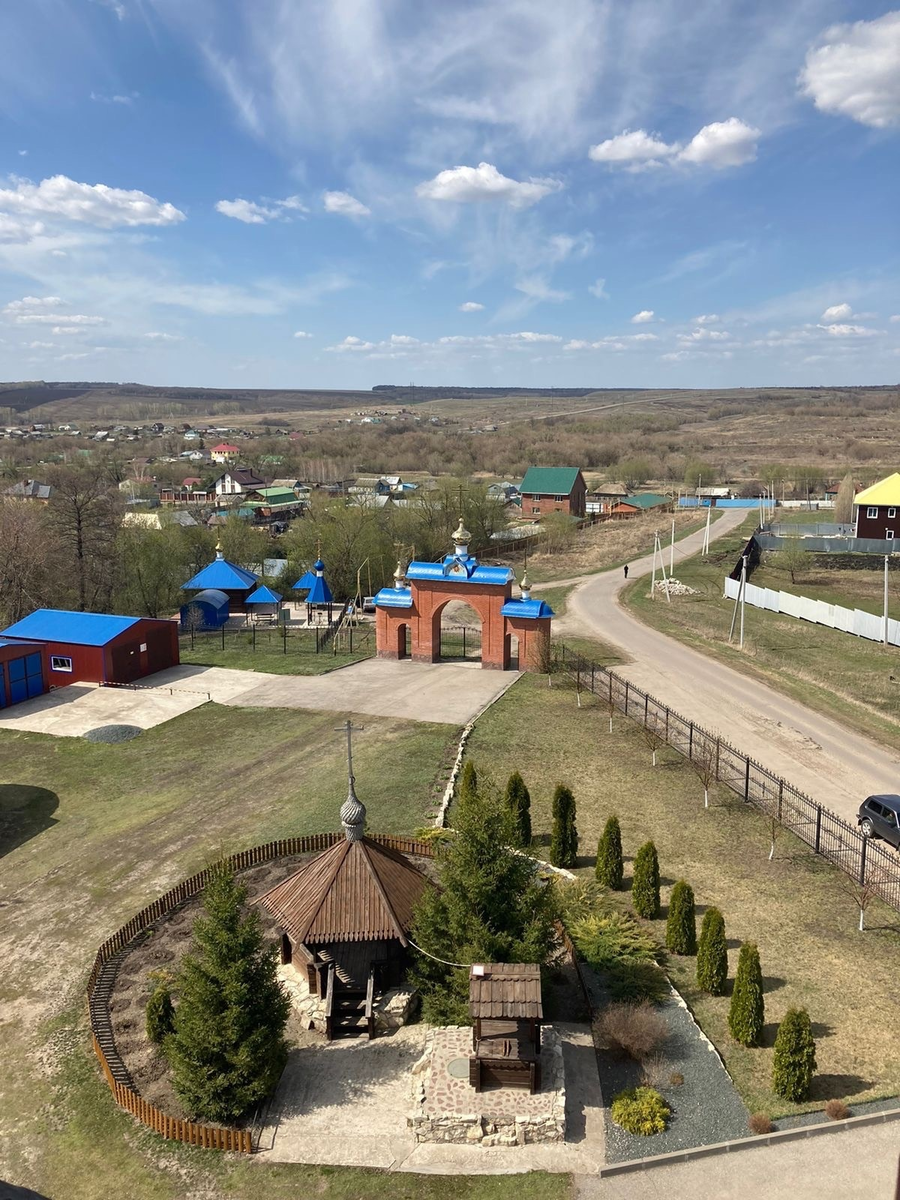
x=100, y=984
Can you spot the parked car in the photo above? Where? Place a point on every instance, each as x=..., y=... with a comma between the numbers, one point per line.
x=879, y=816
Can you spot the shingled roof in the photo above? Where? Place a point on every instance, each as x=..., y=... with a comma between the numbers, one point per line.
x=356, y=891
x=505, y=991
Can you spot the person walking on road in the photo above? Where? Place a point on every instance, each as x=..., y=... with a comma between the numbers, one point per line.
x=626, y=570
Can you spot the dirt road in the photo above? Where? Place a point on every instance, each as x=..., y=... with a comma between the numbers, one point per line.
x=836, y=766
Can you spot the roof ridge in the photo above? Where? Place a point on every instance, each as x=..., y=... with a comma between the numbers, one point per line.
x=327, y=886
x=367, y=845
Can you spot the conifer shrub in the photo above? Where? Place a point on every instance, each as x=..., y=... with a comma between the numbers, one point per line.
x=681, y=925
x=645, y=882
x=468, y=783
x=227, y=1049
x=609, y=869
x=747, y=1012
x=608, y=937
x=518, y=801
x=631, y=979
x=712, y=953
x=160, y=1014
x=564, y=835
x=794, y=1062
x=640, y=1110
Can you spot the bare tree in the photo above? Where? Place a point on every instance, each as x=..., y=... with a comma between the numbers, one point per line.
x=705, y=762
x=654, y=737
x=84, y=513
x=843, y=504
x=864, y=893
x=774, y=830
x=27, y=549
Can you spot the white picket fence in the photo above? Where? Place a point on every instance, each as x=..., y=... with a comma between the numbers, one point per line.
x=835, y=616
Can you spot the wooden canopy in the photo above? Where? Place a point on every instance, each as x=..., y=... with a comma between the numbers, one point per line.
x=505, y=991
x=356, y=891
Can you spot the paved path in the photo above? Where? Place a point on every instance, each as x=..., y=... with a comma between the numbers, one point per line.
x=836, y=766
x=860, y=1164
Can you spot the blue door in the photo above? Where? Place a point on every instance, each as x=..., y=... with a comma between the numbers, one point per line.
x=18, y=687
x=34, y=676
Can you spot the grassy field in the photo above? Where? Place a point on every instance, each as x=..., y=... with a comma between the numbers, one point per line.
x=794, y=907
x=293, y=655
x=89, y=834
x=845, y=677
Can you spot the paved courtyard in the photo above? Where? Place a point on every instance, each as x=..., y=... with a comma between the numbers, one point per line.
x=447, y=693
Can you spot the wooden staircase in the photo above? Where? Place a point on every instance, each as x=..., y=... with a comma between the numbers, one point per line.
x=350, y=1012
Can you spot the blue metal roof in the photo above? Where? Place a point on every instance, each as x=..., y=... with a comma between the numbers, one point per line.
x=263, y=595
x=306, y=581
x=393, y=598
x=463, y=568
x=527, y=608
x=320, y=592
x=222, y=574
x=79, y=628
x=18, y=642
x=209, y=596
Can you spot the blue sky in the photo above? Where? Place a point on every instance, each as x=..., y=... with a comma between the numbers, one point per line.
x=339, y=193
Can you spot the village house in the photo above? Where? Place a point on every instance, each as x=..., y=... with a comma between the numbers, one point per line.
x=553, y=489
x=632, y=506
x=224, y=452
x=30, y=489
x=604, y=497
x=877, y=508
x=237, y=481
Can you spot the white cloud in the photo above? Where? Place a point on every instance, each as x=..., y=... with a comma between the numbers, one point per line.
x=611, y=343
x=721, y=144
x=30, y=303
x=41, y=345
x=707, y=319
x=598, y=289
x=344, y=204
x=537, y=288
x=102, y=98
x=471, y=185
x=353, y=344
x=91, y=204
x=403, y=339
x=705, y=335
x=642, y=317
x=67, y=329
x=848, y=331
x=35, y=318
x=14, y=229
x=642, y=337
x=23, y=153
x=837, y=312
x=301, y=333
x=855, y=71
x=155, y=336
x=471, y=306
x=895, y=318
x=253, y=213
x=403, y=346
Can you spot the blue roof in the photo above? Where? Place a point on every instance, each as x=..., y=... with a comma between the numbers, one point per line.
x=209, y=596
x=527, y=608
x=263, y=595
x=306, y=581
x=222, y=574
x=394, y=598
x=464, y=568
x=22, y=643
x=79, y=628
x=320, y=592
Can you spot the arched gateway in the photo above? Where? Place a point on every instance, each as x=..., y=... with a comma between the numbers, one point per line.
x=419, y=595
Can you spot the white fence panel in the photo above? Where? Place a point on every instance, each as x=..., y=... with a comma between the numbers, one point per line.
x=791, y=605
x=732, y=588
x=773, y=601
x=867, y=625
x=893, y=632
x=843, y=618
x=755, y=595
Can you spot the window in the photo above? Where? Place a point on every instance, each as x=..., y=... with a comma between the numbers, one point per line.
x=535, y=508
x=872, y=512
x=559, y=499
x=889, y=534
x=874, y=807
x=892, y=512
x=59, y=663
x=890, y=818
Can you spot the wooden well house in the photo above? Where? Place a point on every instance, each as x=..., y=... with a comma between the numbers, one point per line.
x=506, y=1011
x=344, y=917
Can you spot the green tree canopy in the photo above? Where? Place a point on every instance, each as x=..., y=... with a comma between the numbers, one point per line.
x=518, y=802
x=564, y=834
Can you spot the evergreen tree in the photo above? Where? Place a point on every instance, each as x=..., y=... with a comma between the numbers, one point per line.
x=468, y=784
x=609, y=870
x=645, y=882
x=747, y=1012
x=160, y=1014
x=795, y=1056
x=228, y=1049
x=712, y=953
x=518, y=801
x=491, y=907
x=681, y=925
x=564, y=835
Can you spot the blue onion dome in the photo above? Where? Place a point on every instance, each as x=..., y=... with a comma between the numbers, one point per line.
x=318, y=565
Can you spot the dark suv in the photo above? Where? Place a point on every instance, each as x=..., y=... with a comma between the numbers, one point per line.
x=879, y=816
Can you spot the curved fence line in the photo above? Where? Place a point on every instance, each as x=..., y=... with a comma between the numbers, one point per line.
x=868, y=863
x=103, y=973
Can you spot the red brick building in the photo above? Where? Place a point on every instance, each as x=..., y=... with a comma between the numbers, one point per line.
x=553, y=489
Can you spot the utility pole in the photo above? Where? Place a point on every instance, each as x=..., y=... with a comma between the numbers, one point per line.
x=885, y=633
x=705, y=549
x=653, y=576
x=743, y=595
x=672, y=552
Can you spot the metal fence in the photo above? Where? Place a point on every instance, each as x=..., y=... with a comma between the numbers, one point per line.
x=868, y=863
x=335, y=638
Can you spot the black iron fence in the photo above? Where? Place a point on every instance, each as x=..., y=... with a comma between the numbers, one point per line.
x=280, y=639
x=460, y=641
x=870, y=864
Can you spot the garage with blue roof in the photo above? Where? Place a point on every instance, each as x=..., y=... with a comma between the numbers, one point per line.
x=96, y=647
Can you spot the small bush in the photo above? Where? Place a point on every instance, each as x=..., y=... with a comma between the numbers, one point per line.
x=794, y=1063
x=606, y=939
x=583, y=897
x=681, y=926
x=761, y=1122
x=160, y=1015
x=676, y=1079
x=632, y=979
x=640, y=1110
x=609, y=869
x=712, y=954
x=645, y=882
x=636, y=1029
x=747, y=1012
x=837, y=1110
x=655, y=1072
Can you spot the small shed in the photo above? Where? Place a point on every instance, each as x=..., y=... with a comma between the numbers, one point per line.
x=24, y=671
x=98, y=647
x=264, y=604
x=506, y=1010
x=207, y=610
x=319, y=599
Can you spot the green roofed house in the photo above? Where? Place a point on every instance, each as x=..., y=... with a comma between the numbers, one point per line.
x=552, y=489
x=630, y=506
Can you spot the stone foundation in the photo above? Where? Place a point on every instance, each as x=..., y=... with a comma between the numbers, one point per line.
x=393, y=1010
x=446, y=1108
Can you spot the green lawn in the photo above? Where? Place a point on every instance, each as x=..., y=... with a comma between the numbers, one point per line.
x=89, y=833
x=795, y=907
x=276, y=655
x=847, y=678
